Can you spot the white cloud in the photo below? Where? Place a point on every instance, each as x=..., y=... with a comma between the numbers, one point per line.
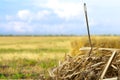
x=104, y=3
x=64, y=9
x=92, y=22
x=41, y=14
x=21, y=21
x=27, y=15
x=100, y=14
x=8, y=17
x=24, y=15
x=18, y=26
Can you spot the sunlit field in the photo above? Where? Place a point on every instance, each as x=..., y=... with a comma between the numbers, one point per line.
x=31, y=57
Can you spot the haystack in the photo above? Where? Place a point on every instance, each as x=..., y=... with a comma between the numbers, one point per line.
x=84, y=67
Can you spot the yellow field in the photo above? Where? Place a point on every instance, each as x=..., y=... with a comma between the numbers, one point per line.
x=97, y=41
x=28, y=57
x=33, y=47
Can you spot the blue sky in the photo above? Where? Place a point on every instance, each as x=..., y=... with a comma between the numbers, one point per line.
x=59, y=17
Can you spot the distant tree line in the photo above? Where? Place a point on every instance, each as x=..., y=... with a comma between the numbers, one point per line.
x=58, y=35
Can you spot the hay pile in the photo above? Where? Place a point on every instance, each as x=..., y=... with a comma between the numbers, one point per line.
x=83, y=67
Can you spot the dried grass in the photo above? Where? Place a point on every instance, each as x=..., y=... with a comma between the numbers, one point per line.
x=83, y=67
x=97, y=41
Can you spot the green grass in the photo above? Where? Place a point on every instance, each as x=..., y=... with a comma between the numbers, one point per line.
x=25, y=68
x=11, y=50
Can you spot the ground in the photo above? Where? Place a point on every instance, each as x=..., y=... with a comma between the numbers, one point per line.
x=29, y=57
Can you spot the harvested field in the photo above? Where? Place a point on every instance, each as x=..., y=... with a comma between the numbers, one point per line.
x=33, y=57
